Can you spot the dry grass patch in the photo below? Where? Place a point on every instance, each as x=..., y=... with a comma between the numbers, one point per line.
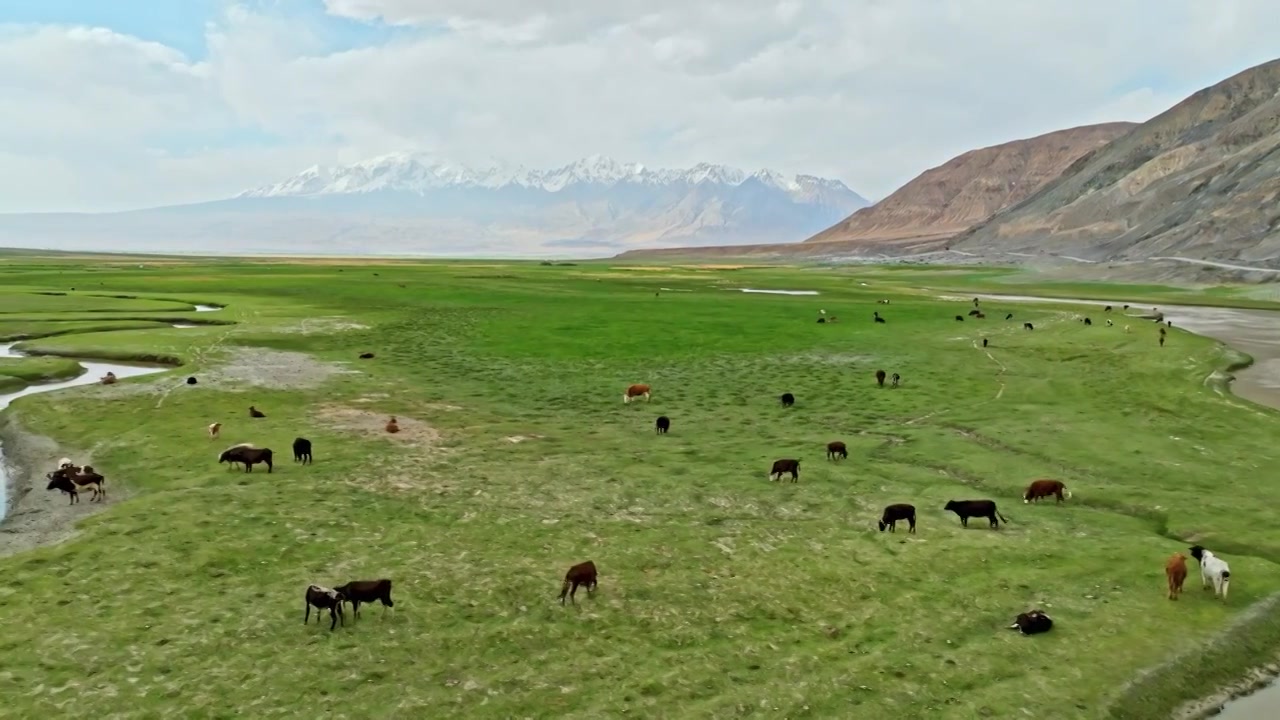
x=373, y=424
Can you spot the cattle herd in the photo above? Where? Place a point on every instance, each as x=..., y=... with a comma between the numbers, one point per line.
x=69, y=478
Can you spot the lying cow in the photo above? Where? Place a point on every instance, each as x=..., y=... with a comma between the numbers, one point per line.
x=975, y=508
x=1044, y=488
x=785, y=465
x=894, y=513
x=1032, y=623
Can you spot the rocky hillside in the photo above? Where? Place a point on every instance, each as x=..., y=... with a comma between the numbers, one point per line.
x=1199, y=181
x=968, y=189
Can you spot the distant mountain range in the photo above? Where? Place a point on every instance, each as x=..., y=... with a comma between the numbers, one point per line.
x=416, y=204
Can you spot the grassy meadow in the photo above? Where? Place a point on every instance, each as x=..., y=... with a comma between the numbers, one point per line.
x=721, y=594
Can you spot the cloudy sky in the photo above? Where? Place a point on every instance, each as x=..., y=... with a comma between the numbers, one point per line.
x=114, y=104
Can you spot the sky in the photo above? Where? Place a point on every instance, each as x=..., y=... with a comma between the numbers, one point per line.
x=119, y=104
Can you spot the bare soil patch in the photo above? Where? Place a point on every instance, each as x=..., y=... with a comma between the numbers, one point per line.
x=373, y=424
x=320, y=326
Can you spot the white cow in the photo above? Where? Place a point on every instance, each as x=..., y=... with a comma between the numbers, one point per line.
x=1212, y=570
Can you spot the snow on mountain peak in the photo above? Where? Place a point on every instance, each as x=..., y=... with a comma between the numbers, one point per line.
x=418, y=173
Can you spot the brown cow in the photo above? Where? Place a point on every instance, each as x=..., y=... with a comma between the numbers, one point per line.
x=1175, y=569
x=580, y=574
x=1044, y=488
x=835, y=449
x=785, y=465
x=635, y=391
x=392, y=425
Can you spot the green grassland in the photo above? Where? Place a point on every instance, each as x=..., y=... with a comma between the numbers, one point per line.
x=721, y=594
x=16, y=373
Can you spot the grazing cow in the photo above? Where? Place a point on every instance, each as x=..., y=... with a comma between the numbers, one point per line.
x=214, y=429
x=1009, y=316
x=580, y=574
x=663, y=424
x=393, y=426
x=366, y=356
x=980, y=315
x=1044, y=488
x=894, y=513
x=1161, y=341
x=896, y=379
x=1029, y=326
x=879, y=319
x=302, y=450
x=255, y=412
x=984, y=342
x=974, y=313
x=192, y=380
x=323, y=598
x=635, y=391
x=822, y=320
x=880, y=376
x=109, y=378
x=788, y=399
x=975, y=508
x=959, y=318
x=234, y=458
x=366, y=591
x=1212, y=570
x=1106, y=309
x=785, y=465
x=1032, y=623
x=250, y=456
x=835, y=449
x=1175, y=569
x=1087, y=321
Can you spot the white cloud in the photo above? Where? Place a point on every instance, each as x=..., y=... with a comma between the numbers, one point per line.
x=871, y=91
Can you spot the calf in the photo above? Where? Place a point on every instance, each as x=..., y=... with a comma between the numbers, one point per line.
x=898, y=378
x=393, y=426
x=580, y=574
x=959, y=318
x=785, y=465
x=975, y=508
x=1044, y=488
x=1175, y=570
x=835, y=449
x=214, y=430
x=366, y=591
x=788, y=399
x=366, y=356
x=879, y=319
x=255, y=412
x=1032, y=623
x=1212, y=570
x=663, y=424
x=894, y=513
x=974, y=312
x=880, y=376
x=1087, y=321
x=1009, y=316
x=635, y=391
x=984, y=342
x=323, y=598
x=250, y=456
x=60, y=481
x=1029, y=326
x=302, y=450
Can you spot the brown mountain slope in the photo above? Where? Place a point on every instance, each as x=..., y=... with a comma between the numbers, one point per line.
x=969, y=188
x=1199, y=181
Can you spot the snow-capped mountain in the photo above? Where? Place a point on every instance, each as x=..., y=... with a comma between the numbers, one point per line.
x=418, y=204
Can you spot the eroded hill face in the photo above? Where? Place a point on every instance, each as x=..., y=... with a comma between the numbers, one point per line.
x=968, y=189
x=1201, y=180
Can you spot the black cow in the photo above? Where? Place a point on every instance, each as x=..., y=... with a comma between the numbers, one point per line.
x=323, y=598
x=894, y=513
x=366, y=591
x=663, y=424
x=302, y=450
x=879, y=319
x=959, y=318
x=1087, y=321
x=896, y=379
x=788, y=399
x=984, y=342
x=785, y=465
x=975, y=508
x=835, y=449
x=1009, y=316
x=973, y=313
x=1032, y=623
x=191, y=380
x=1029, y=326
x=581, y=574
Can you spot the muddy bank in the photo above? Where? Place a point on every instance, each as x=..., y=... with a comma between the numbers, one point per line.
x=37, y=517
